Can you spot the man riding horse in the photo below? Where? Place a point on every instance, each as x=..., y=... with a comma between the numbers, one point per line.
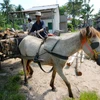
x=39, y=29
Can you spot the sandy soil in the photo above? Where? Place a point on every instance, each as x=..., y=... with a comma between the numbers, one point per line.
x=39, y=88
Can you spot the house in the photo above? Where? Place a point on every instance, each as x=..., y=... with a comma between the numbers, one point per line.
x=50, y=15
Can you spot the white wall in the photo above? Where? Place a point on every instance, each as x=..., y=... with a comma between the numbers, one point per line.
x=56, y=20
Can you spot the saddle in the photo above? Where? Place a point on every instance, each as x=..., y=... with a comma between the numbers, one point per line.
x=36, y=58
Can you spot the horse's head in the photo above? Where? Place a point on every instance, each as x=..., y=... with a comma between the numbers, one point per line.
x=90, y=39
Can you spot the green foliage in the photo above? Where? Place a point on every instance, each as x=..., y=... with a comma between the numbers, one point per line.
x=10, y=89
x=62, y=9
x=11, y=96
x=86, y=96
x=17, y=26
x=12, y=84
x=19, y=8
x=6, y=18
x=2, y=20
x=73, y=8
x=21, y=73
x=70, y=27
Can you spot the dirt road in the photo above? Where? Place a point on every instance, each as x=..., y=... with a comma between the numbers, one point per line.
x=39, y=83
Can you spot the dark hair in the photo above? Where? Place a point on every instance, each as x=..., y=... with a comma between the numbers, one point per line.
x=29, y=19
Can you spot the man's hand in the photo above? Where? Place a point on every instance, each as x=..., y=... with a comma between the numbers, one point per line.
x=38, y=32
x=41, y=30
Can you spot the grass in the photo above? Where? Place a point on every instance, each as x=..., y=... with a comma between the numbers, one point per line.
x=86, y=96
x=21, y=73
x=10, y=88
x=89, y=96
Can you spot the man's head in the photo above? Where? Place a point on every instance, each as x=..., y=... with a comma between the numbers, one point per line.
x=29, y=20
x=38, y=15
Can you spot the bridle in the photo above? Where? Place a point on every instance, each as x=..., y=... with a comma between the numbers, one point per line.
x=93, y=51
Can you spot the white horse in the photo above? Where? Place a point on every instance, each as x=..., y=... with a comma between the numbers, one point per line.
x=55, y=49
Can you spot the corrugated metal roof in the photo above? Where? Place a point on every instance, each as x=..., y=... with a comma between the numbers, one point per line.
x=38, y=8
x=42, y=7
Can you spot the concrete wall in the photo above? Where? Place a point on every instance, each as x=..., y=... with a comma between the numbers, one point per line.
x=63, y=23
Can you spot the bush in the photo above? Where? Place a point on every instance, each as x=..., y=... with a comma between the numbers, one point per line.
x=70, y=27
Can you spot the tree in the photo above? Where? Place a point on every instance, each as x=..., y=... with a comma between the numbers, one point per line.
x=73, y=8
x=62, y=9
x=19, y=8
x=2, y=20
x=6, y=7
x=20, y=14
x=86, y=12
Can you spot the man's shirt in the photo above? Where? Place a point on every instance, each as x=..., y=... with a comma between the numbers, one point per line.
x=37, y=27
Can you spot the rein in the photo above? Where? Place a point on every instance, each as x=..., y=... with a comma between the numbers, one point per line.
x=55, y=54
x=39, y=62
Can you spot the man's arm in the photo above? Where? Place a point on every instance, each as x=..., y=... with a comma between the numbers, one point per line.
x=41, y=30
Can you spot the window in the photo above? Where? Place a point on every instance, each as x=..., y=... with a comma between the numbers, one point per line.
x=50, y=26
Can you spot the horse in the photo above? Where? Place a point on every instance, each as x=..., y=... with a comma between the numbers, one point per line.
x=54, y=50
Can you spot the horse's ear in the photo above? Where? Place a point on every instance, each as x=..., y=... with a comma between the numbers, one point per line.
x=88, y=31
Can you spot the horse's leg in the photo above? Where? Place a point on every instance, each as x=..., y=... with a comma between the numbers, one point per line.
x=29, y=69
x=24, y=69
x=71, y=59
x=52, y=80
x=82, y=56
x=78, y=73
x=60, y=72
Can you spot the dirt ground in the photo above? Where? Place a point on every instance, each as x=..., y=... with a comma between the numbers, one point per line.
x=39, y=88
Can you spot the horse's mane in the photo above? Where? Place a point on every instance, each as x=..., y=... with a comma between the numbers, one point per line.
x=93, y=32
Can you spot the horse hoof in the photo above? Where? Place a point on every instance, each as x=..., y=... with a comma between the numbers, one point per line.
x=68, y=64
x=26, y=83
x=71, y=95
x=30, y=76
x=79, y=73
x=54, y=89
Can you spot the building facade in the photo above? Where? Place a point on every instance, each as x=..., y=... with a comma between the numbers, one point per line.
x=50, y=15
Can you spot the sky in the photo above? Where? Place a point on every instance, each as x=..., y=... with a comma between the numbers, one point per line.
x=26, y=4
